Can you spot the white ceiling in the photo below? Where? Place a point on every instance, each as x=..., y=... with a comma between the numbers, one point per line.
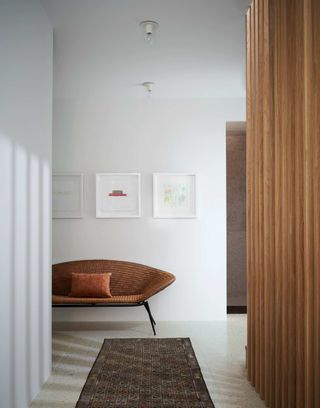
x=99, y=48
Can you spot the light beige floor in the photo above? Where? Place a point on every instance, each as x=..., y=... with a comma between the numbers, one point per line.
x=219, y=346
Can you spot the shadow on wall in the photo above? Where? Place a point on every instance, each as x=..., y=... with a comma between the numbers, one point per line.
x=25, y=261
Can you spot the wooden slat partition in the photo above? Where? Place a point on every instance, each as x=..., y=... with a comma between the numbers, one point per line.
x=283, y=201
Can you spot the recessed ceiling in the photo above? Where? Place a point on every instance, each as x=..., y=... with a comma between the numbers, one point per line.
x=199, y=49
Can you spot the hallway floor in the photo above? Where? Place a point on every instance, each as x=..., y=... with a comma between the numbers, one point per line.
x=219, y=346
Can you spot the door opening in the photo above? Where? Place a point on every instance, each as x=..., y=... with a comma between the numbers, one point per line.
x=236, y=218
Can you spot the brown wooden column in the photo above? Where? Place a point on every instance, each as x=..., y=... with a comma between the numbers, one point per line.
x=283, y=201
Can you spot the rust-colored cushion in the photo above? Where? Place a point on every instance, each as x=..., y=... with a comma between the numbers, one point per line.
x=93, y=285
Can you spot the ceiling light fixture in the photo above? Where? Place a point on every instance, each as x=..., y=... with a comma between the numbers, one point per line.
x=149, y=28
x=149, y=87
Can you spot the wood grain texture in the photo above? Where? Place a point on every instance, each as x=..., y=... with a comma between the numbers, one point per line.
x=283, y=201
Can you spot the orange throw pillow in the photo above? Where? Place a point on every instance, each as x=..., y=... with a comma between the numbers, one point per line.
x=94, y=285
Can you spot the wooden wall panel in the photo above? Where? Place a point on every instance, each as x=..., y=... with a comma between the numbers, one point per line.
x=283, y=201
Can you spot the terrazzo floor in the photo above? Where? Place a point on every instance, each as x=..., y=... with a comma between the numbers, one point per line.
x=219, y=347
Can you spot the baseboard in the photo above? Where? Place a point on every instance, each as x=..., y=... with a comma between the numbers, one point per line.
x=96, y=326
x=236, y=309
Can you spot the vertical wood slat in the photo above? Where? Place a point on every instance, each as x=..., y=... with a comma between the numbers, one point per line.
x=299, y=206
x=283, y=188
x=291, y=208
x=308, y=207
x=283, y=193
x=277, y=209
x=260, y=96
x=249, y=172
x=316, y=109
x=267, y=151
x=256, y=207
x=252, y=280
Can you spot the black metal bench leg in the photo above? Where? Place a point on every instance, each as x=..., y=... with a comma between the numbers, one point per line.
x=146, y=305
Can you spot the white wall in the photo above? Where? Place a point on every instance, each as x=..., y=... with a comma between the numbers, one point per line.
x=25, y=226
x=146, y=136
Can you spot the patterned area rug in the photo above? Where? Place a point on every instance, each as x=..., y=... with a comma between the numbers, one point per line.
x=145, y=373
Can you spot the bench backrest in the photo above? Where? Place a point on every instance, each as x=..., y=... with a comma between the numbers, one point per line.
x=127, y=278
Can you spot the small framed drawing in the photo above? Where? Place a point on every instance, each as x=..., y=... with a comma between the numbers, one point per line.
x=174, y=195
x=67, y=195
x=118, y=195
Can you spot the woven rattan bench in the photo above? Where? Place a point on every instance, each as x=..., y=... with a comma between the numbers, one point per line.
x=131, y=284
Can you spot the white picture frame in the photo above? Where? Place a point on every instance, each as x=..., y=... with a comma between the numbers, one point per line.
x=67, y=195
x=174, y=195
x=118, y=195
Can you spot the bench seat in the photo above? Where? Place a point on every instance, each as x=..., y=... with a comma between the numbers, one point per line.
x=56, y=299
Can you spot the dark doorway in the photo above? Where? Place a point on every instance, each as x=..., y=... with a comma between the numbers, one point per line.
x=236, y=218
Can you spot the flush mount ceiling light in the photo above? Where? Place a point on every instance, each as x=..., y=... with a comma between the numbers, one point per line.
x=149, y=28
x=149, y=87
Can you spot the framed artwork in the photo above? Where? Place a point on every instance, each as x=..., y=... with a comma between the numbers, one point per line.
x=174, y=195
x=118, y=195
x=67, y=195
